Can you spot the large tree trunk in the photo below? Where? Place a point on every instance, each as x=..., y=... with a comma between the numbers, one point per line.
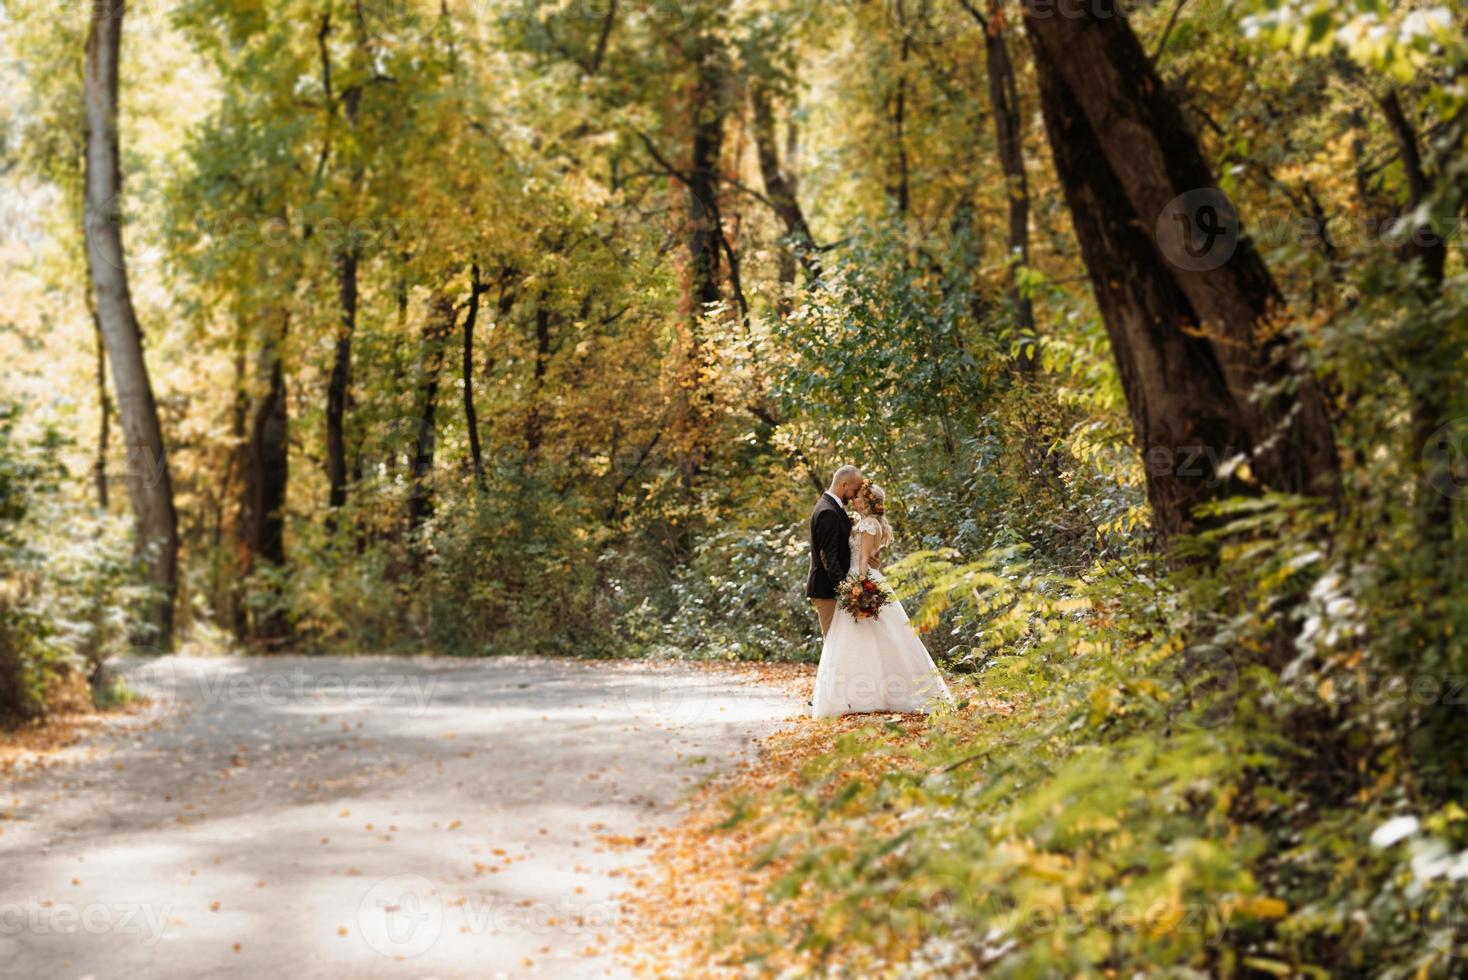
x=266, y=470
x=1174, y=386
x=1186, y=325
x=149, y=484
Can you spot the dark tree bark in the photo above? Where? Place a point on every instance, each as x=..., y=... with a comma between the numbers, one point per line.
x=266, y=471
x=1188, y=336
x=1175, y=388
x=150, y=485
x=1429, y=395
x=471, y=418
x=780, y=189
x=339, y=384
x=1004, y=104
x=600, y=53
x=229, y=582
x=704, y=227
x=900, y=191
x=503, y=305
x=339, y=401
x=104, y=407
x=436, y=332
x=709, y=100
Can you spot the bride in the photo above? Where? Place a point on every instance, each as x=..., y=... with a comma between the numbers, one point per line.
x=876, y=664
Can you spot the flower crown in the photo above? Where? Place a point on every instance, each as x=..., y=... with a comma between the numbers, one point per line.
x=878, y=507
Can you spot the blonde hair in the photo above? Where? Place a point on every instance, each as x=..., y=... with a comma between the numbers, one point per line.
x=876, y=497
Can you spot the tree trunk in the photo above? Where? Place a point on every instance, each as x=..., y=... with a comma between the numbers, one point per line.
x=266, y=469
x=710, y=107
x=471, y=418
x=899, y=190
x=149, y=484
x=1004, y=103
x=780, y=189
x=435, y=334
x=1185, y=324
x=704, y=230
x=1175, y=389
x=104, y=406
x=230, y=587
x=1429, y=396
x=339, y=386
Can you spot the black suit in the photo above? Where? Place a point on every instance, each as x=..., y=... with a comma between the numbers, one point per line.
x=830, y=548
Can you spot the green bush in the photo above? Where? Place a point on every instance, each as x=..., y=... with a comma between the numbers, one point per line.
x=68, y=581
x=740, y=597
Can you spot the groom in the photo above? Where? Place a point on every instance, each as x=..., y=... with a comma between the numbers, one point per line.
x=830, y=543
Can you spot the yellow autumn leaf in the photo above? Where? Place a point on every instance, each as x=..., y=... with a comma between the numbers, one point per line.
x=1261, y=907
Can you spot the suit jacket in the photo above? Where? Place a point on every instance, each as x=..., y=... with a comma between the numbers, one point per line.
x=830, y=548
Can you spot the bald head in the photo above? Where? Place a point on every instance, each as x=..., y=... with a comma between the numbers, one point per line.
x=846, y=482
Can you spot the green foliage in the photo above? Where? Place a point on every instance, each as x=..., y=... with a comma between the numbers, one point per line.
x=68, y=581
x=740, y=597
x=1123, y=788
x=887, y=352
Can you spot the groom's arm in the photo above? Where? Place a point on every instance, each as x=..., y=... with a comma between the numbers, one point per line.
x=829, y=531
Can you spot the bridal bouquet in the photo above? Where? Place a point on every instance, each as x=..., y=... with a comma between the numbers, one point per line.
x=862, y=596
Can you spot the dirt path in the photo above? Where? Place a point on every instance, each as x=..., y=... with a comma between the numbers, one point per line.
x=403, y=817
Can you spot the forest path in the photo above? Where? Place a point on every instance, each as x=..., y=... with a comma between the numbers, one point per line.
x=365, y=817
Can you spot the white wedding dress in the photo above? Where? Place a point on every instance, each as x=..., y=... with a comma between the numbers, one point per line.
x=875, y=664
